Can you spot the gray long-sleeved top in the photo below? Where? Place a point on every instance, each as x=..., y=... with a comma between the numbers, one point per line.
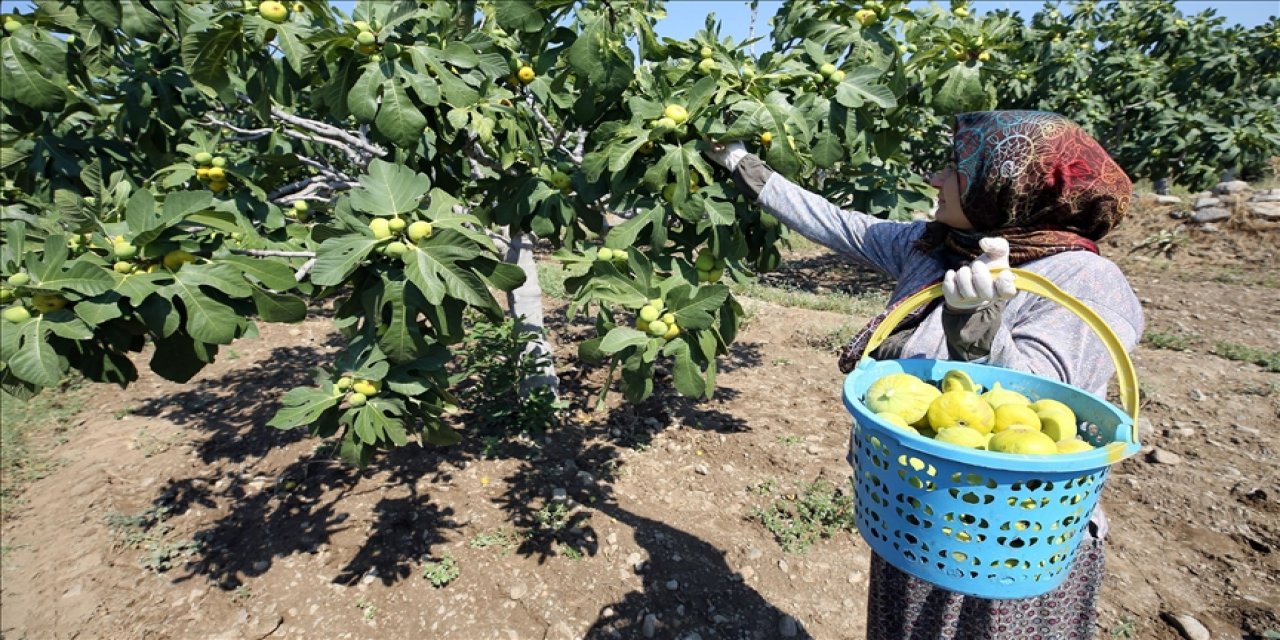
x=1035, y=335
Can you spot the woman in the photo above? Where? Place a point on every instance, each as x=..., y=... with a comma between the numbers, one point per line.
x=1027, y=189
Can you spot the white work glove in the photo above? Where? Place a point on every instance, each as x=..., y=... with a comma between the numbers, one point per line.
x=727, y=154
x=971, y=287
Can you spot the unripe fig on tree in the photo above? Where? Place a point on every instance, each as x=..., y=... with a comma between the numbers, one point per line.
x=48, y=302
x=203, y=157
x=827, y=69
x=672, y=331
x=664, y=124
x=357, y=399
x=124, y=250
x=11, y=25
x=380, y=227
x=960, y=12
x=526, y=74
x=707, y=65
x=657, y=328
x=837, y=77
x=396, y=249
x=218, y=161
x=866, y=17
x=560, y=180
x=706, y=52
x=605, y=254
x=217, y=174
x=367, y=387
x=273, y=11
x=175, y=259
x=766, y=138
x=16, y=314
x=705, y=261
x=676, y=113
x=396, y=224
x=300, y=206
x=649, y=313
x=419, y=230
x=366, y=38
x=343, y=383
x=19, y=279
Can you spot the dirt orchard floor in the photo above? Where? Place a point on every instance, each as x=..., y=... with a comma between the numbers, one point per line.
x=664, y=494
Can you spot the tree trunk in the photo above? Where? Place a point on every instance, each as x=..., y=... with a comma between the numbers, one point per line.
x=525, y=304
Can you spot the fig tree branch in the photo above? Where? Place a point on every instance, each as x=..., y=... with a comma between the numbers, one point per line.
x=272, y=253
x=557, y=136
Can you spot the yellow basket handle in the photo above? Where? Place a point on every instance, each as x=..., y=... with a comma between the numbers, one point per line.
x=1041, y=286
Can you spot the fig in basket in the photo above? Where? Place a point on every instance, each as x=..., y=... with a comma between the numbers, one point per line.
x=1016, y=416
x=896, y=420
x=1023, y=441
x=999, y=396
x=1073, y=446
x=1057, y=420
x=957, y=380
x=961, y=409
x=902, y=394
x=962, y=437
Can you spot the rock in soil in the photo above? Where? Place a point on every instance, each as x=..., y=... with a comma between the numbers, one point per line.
x=1188, y=626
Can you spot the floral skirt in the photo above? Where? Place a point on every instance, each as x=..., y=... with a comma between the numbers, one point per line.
x=901, y=607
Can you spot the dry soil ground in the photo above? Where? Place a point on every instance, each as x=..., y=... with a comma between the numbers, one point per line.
x=175, y=513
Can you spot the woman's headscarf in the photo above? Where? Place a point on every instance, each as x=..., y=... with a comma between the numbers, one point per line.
x=1033, y=178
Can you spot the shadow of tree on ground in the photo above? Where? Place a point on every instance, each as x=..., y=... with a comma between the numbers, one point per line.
x=274, y=511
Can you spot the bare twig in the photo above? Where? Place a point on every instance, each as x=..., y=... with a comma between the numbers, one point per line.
x=478, y=156
x=272, y=253
x=330, y=132
x=557, y=136
x=245, y=134
x=312, y=188
x=302, y=271
x=581, y=147
x=356, y=145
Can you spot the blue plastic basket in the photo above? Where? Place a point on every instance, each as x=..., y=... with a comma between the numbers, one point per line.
x=985, y=524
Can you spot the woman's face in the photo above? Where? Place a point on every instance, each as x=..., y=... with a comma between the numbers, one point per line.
x=947, y=182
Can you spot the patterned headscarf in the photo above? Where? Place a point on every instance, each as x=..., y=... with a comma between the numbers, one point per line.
x=1033, y=178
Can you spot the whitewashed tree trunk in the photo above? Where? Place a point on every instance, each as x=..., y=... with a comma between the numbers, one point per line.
x=525, y=303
